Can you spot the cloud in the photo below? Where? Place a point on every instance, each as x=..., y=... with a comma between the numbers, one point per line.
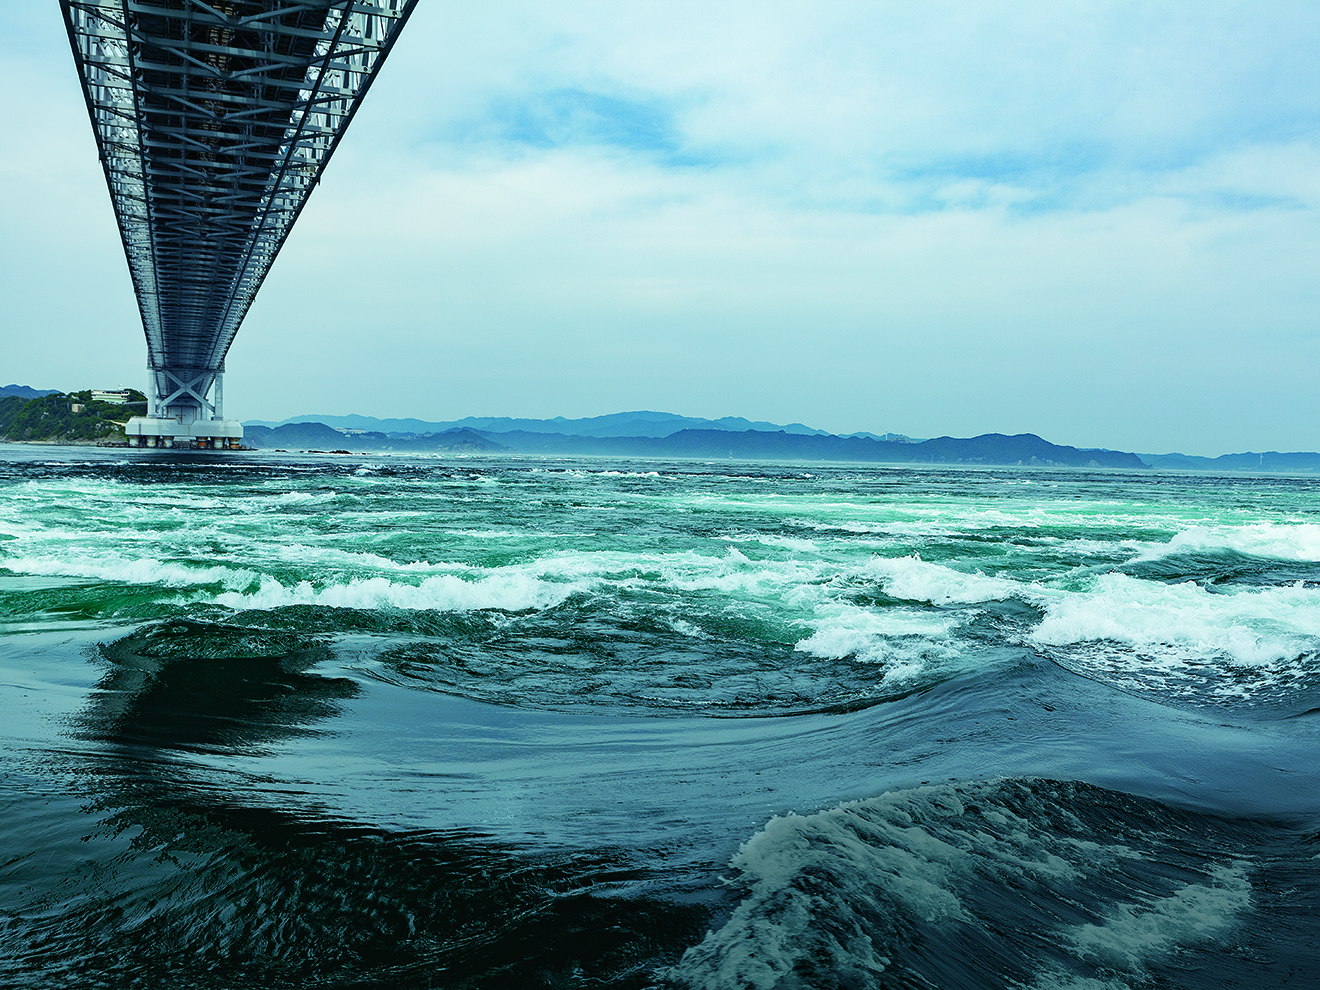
x=879, y=106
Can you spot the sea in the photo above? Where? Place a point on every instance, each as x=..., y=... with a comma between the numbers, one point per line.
x=276, y=720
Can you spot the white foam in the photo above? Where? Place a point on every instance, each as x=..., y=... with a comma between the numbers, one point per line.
x=735, y=573
x=824, y=888
x=1281, y=541
x=914, y=579
x=793, y=543
x=512, y=591
x=352, y=560
x=839, y=892
x=920, y=528
x=132, y=570
x=843, y=630
x=1133, y=935
x=1186, y=621
x=296, y=498
x=685, y=628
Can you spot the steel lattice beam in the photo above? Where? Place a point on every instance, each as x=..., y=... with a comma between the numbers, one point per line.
x=214, y=121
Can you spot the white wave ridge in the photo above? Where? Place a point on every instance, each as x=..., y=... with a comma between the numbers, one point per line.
x=1186, y=621
x=909, y=643
x=829, y=890
x=913, y=579
x=508, y=590
x=1277, y=540
x=735, y=573
x=133, y=570
x=1132, y=936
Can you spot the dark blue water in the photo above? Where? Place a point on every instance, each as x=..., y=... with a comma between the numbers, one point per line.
x=276, y=721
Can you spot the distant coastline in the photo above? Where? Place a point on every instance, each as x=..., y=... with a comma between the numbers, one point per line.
x=655, y=434
x=629, y=434
x=996, y=449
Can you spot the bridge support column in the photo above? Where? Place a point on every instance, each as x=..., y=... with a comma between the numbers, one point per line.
x=205, y=434
x=179, y=418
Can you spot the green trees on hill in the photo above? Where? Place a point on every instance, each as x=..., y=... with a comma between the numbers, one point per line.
x=52, y=418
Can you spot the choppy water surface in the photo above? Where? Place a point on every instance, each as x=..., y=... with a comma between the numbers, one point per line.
x=282, y=721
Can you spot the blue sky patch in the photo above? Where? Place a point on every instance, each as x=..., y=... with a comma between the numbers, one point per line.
x=568, y=117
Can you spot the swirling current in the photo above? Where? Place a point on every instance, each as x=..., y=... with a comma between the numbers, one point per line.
x=275, y=720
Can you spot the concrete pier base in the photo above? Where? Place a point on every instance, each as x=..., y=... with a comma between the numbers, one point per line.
x=200, y=434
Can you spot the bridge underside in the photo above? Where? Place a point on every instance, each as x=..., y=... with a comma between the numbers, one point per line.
x=214, y=121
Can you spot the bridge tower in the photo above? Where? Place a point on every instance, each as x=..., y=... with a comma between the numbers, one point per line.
x=214, y=120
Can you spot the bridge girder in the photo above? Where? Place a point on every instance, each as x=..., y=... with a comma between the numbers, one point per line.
x=214, y=120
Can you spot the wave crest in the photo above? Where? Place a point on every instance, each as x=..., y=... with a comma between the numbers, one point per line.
x=971, y=885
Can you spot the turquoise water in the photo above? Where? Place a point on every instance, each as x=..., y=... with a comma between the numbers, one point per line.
x=280, y=720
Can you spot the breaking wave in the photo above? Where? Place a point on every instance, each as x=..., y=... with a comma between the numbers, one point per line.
x=513, y=592
x=1011, y=883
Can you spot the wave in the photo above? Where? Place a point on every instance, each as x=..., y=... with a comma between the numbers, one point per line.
x=513, y=591
x=1277, y=540
x=1017, y=883
x=1127, y=935
x=1234, y=642
x=913, y=579
x=1186, y=640
x=801, y=579
x=909, y=646
x=132, y=570
x=1169, y=622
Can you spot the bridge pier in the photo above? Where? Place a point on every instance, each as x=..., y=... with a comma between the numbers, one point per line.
x=202, y=434
x=178, y=418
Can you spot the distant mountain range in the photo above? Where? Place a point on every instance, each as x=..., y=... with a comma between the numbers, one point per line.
x=992, y=448
x=660, y=434
x=626, y=424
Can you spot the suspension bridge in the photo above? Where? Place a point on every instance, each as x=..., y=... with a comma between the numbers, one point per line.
x=214, y=121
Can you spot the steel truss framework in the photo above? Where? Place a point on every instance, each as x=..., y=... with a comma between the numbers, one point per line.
x=214, y=121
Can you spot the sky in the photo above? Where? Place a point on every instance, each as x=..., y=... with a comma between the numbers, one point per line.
x=1097, y=222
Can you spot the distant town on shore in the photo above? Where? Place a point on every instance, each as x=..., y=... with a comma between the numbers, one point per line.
x=97, y=416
